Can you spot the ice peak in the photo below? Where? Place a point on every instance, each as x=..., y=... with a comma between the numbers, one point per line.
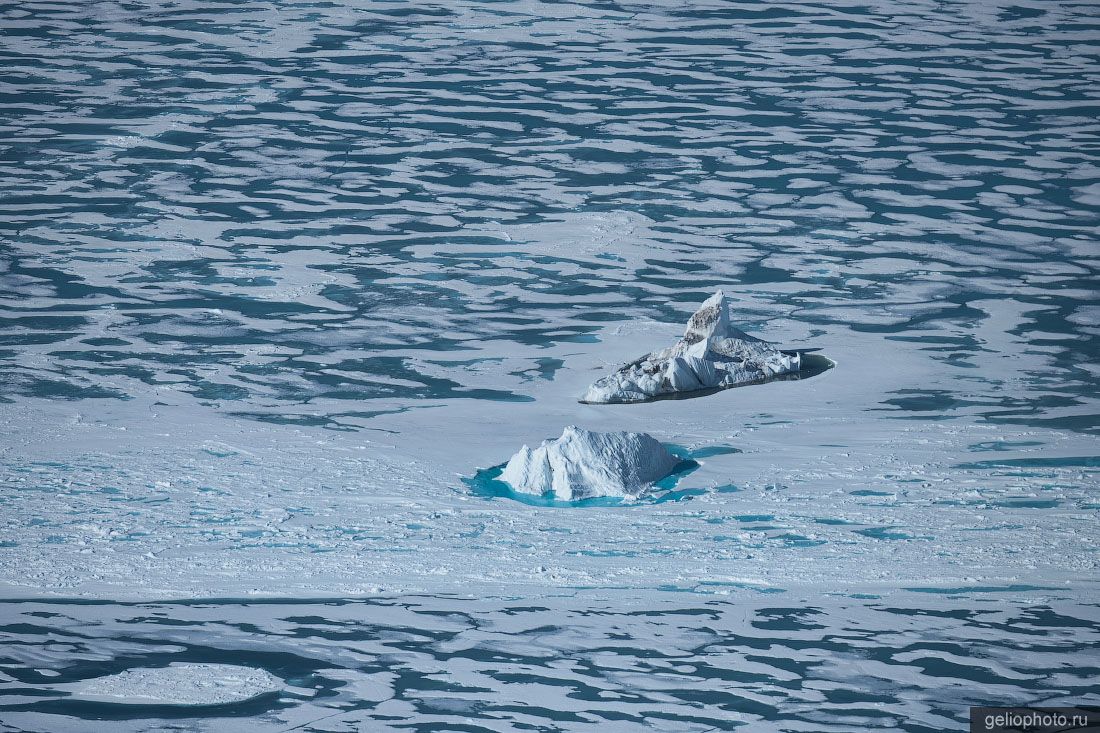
x=710, y=321
x=712, y=354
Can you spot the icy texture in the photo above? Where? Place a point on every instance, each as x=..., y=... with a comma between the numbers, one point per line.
x=180, y=684
x=244, y=360
x=570, y=661
x=582, y=464
x=711, y=354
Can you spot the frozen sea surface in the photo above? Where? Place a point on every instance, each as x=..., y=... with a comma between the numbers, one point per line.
x=680, y=664
x=278, y=276
x=277, y=279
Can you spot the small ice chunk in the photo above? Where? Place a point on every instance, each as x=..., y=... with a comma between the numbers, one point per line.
x=582, y=464
x=179, y=684
x=712, y=354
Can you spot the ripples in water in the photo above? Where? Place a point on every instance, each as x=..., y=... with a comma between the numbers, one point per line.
x=420, y=663
x=299, y=203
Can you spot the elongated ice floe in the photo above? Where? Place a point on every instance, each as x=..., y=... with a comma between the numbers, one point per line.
x=181, y=683
x=582, y=464
x=712, y=354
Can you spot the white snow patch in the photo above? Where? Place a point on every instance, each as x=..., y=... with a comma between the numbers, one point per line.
x=711, y=354
x=179, y=684
x=582, y=464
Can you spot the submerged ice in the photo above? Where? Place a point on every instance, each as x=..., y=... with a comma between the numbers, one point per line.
x=582, y=464
x=712, y=354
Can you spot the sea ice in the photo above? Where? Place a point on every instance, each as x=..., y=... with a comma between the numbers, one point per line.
x=179, y=684
x=712, y=354
x=582, y=464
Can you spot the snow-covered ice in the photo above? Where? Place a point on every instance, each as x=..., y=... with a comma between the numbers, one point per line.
x=712, y=354
x=582, y=464
x=179, y=684
x=258, y=328
x=825, y=483
x=272, y=383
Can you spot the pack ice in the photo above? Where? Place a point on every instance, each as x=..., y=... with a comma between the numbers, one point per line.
x=582, y=464
x=712, y=354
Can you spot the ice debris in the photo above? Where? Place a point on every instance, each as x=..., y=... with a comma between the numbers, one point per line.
x=582, y=464
x=712, y=354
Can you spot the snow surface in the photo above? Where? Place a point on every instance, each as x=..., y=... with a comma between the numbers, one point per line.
x=712, y=354
x=179, y=684
x=832, y=488
x=844, y=482
x=223, y=380
x=582, y=464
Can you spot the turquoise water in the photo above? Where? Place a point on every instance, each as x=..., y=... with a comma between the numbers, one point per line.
x=251, y=252
x=486, y=483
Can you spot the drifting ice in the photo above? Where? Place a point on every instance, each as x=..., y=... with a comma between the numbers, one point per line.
x=582, y=464
x=711, y=354
x=180, y=683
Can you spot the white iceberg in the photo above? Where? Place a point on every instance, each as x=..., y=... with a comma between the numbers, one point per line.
x=582, y=464
x=712, y=354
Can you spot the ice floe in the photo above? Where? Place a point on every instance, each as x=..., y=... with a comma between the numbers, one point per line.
x=712, y=354
x=179, y=684
x=582, y=464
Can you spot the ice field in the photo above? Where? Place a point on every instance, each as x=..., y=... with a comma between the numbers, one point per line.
x=283, y=285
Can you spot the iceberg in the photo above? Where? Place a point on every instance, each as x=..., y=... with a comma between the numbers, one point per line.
x=711, y=355
x=582, y=464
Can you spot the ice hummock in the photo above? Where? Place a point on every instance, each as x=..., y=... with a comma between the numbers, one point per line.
x=712, y=354
x=582, y=464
